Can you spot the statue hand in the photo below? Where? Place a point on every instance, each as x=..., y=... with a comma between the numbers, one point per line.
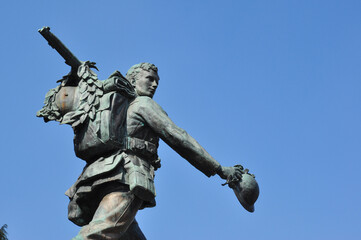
x=231, y=174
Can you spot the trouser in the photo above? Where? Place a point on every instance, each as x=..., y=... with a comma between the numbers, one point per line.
x=114, y=219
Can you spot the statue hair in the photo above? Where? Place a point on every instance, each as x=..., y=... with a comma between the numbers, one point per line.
x=135, y=69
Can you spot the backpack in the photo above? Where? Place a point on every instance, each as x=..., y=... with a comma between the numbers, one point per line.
x=98, y=117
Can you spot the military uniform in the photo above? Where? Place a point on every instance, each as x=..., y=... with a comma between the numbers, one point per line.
x=117, y=133
x=131, y=171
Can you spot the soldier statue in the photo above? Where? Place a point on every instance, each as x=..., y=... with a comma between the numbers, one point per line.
x=117, y=127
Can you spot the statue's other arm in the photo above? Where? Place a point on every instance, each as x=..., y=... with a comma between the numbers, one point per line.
x=177, y=138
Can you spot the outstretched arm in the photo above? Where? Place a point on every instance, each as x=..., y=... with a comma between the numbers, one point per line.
x=179, y=140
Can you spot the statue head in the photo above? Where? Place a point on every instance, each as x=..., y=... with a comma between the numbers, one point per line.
x=144, y=78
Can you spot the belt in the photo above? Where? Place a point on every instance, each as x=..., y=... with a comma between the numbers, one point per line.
x=145, y=149
x=142, y=147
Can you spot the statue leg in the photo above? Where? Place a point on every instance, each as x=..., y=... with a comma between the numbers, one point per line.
x=114, y=215
x=133, y=232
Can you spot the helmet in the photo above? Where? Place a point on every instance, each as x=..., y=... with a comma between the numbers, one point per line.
x=247, y=191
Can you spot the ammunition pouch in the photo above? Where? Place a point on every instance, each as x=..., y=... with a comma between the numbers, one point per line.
x=142, y=147
x=140, y=177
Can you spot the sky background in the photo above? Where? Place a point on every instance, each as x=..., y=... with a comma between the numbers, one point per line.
x=272, y=85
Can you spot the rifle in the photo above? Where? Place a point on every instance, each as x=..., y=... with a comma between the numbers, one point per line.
x=72, y=78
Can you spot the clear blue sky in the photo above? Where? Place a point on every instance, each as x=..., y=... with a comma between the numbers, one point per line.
x=272, y=85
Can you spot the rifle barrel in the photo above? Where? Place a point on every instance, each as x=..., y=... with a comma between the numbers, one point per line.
x=55, y=43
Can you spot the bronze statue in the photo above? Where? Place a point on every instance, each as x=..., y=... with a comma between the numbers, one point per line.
x=117, y=127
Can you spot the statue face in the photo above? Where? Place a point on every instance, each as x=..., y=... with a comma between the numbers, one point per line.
x=146, y=83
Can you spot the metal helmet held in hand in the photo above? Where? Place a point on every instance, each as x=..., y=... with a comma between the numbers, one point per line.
x=247, y=191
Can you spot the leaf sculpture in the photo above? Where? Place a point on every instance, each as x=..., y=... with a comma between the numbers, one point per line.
x=90, y=90
x=50, y=111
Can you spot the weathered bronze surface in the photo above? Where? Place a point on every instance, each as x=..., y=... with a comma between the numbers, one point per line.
x=117, y=127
